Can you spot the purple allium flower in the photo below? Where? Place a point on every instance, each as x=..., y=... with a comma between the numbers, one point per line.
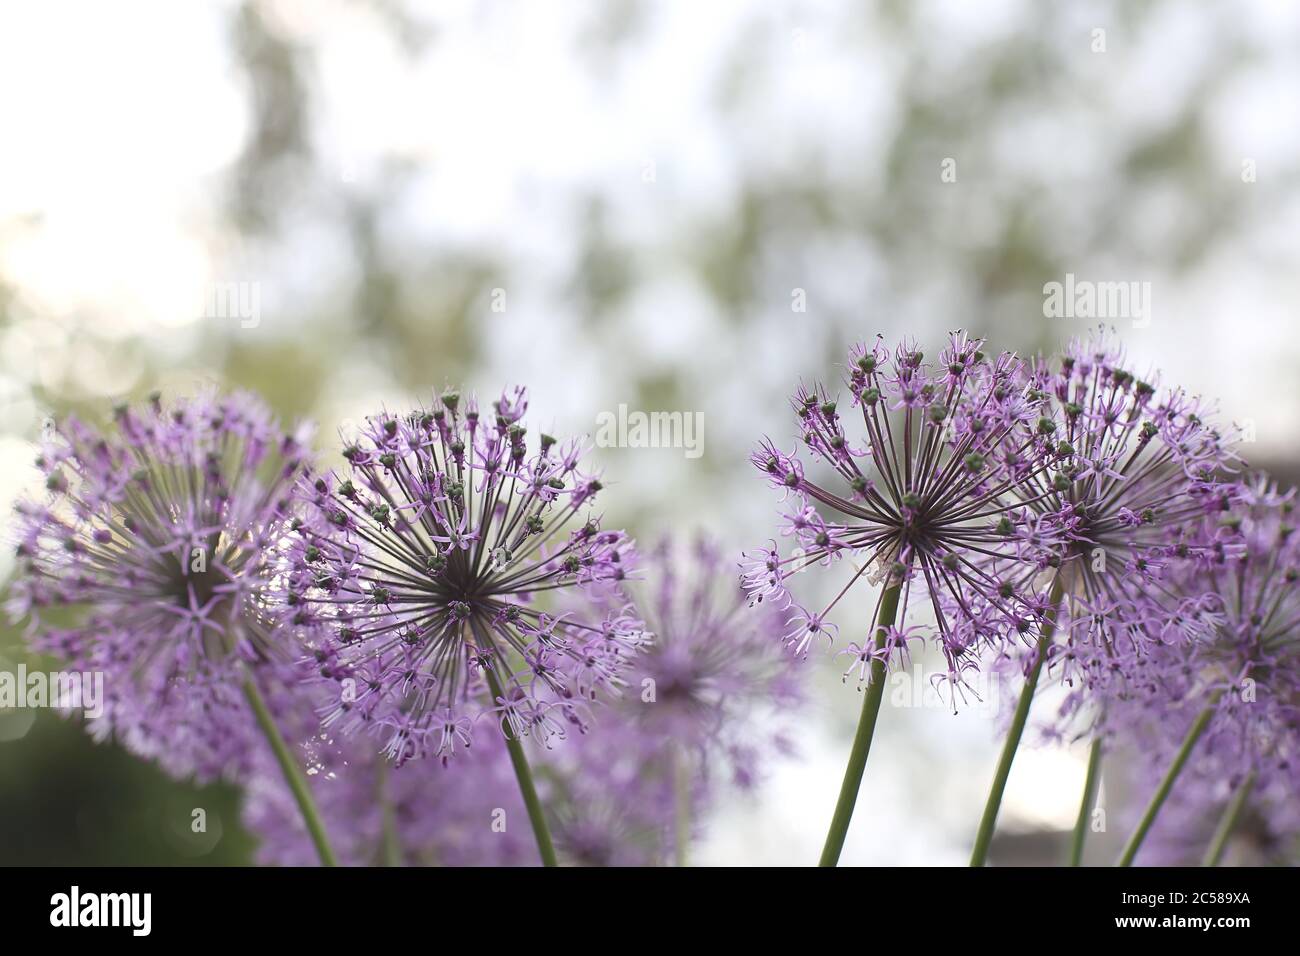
x=377, y=814
x=703, y=695
x=615, y=796
x=921, y=499
x=161, y=529
x=1238, y=655
x=427, y=558
x=711, y=692
x=1119, y=472
x=1116, y=476
x=609, y=797
x=713, y=669
x=1265, y=832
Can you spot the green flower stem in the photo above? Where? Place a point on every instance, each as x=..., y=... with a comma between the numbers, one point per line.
x=988, y=822
x=1089, y=798
x=536, y=816
x=681, y=806
x=391, y=844
x=293, y=774
x=1231, y=814
x=1167, y=784
x=871, y=699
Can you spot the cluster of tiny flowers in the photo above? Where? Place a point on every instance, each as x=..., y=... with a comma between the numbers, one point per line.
x=1266, y=831
x=377, y=815
x=425, y=562
x=922, y=500
x=614, y=796
x=610, y=798
x=714, y=669
x=1240, y=657
x=712, y=691
x=1066, y=513
x=1127, y=479
x=158, y=535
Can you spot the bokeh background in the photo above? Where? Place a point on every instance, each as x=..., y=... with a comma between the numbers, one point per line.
x=621, y=203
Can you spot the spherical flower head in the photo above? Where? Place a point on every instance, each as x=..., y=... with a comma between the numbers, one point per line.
x=1245, y=626
x=431, y=561
x=1123, y=473
x=157, y=534
x=711, y=692
x=714, y=670
x=1234, y=648
x=919, y=500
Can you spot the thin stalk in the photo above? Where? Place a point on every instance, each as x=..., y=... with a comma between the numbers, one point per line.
x=1089, y=798
x=871, y=699
x=989, y=821
x=519, y=760
x=1228, y=822
x=293, y=774
x=1167, y=784
x=392, y=846
x=681, y=807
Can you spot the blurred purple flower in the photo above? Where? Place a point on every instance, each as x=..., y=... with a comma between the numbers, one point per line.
x=161, y=530
x=1239, y=656
x=713, y=667
x=707, y=706
x=378, y=814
